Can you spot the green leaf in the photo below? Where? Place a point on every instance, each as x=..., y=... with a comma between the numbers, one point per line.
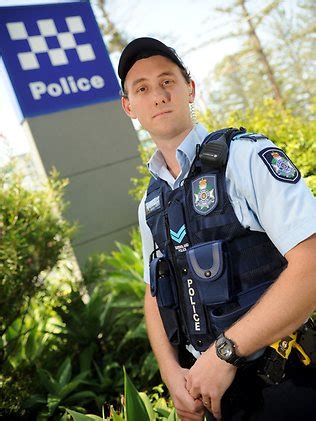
x=64, y=417
x=105, y=312
x=42, y=416
x=150, y=368
x=97, y=369
x=162, y=412
x=68, y=388
x=160, y=387
x=64, y=372
x=52, y=403
x=148, y=405
x=31, y=345
x=47, y=381
x=114, y=415
x=85, y=357
x=79, y=396
x=135, y=407
x=81, y=376
x=34, y=400
x=162, y=404
x=138, y=332
x=79, y=417
x=173, y=416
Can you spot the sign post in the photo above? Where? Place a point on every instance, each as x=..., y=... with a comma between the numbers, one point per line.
x=68, y=97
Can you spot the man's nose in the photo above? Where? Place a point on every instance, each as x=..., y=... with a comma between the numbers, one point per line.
x=160, y=96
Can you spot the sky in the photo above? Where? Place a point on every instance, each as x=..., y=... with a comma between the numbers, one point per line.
x=183, y=24
x=186, y=25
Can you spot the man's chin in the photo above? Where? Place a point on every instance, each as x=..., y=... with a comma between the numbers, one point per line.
x=168, y=132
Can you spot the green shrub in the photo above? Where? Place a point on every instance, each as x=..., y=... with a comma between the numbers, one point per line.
x=99, y=326
x=134, y=406
x=293, y=133
x=33, y=236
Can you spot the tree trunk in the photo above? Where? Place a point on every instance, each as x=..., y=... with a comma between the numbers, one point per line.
x=117, y=41
x=261, y=54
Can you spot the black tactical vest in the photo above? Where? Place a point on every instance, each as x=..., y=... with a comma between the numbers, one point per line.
x=212, y=269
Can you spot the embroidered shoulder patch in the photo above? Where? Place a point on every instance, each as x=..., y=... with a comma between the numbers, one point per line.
x=204, y=192
x=280, y=165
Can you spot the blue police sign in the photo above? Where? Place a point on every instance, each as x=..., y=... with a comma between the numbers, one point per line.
x=55, y=57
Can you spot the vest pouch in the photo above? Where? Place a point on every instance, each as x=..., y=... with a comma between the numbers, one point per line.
x=210, y=269
x=162, y=285
x=223, y=316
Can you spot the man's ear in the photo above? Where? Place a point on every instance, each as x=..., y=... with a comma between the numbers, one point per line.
x=127, y=107
x=191, y=91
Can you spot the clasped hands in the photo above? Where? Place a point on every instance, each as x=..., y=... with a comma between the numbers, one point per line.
x=208, y=379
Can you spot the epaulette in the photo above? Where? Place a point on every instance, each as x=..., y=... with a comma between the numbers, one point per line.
x=253, y=137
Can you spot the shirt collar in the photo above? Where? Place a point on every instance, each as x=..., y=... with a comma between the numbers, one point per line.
x=185, y=154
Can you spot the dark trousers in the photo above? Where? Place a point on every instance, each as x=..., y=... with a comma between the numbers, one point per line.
x=251, y=399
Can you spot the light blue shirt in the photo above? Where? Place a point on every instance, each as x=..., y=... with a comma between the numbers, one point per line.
x=185, y=155
x=285, y=211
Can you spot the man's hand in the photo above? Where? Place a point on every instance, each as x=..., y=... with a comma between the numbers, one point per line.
x=172, y=373
x=209, y=378
x=188, y=409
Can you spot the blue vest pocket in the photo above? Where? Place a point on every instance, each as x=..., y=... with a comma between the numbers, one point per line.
x=223, y=316
x=162, y=285
x=209, y=267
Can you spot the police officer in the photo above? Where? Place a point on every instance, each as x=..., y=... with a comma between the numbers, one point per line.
x=228, y=234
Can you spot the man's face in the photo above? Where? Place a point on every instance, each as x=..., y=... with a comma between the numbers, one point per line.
x=159, y=97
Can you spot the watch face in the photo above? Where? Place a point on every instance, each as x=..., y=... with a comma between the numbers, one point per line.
x=224, y=348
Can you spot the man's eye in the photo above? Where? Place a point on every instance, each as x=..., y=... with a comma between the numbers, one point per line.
x=166, y=82
x=141, y=89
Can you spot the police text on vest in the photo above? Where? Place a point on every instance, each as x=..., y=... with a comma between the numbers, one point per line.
x=65, y=85
x=195, y=316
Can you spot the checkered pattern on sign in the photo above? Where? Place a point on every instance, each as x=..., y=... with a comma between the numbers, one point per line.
x=38, y=44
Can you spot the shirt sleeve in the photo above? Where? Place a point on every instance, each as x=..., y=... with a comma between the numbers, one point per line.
x=147, y=238
x=264, y=198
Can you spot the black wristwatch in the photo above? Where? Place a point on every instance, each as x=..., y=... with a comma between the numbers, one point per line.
x=226, y=350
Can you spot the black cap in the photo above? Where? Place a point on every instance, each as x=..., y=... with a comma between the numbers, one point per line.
x=151, y=47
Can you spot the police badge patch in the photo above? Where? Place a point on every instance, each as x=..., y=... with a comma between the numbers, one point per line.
x=280, y=165
x=204, y=194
